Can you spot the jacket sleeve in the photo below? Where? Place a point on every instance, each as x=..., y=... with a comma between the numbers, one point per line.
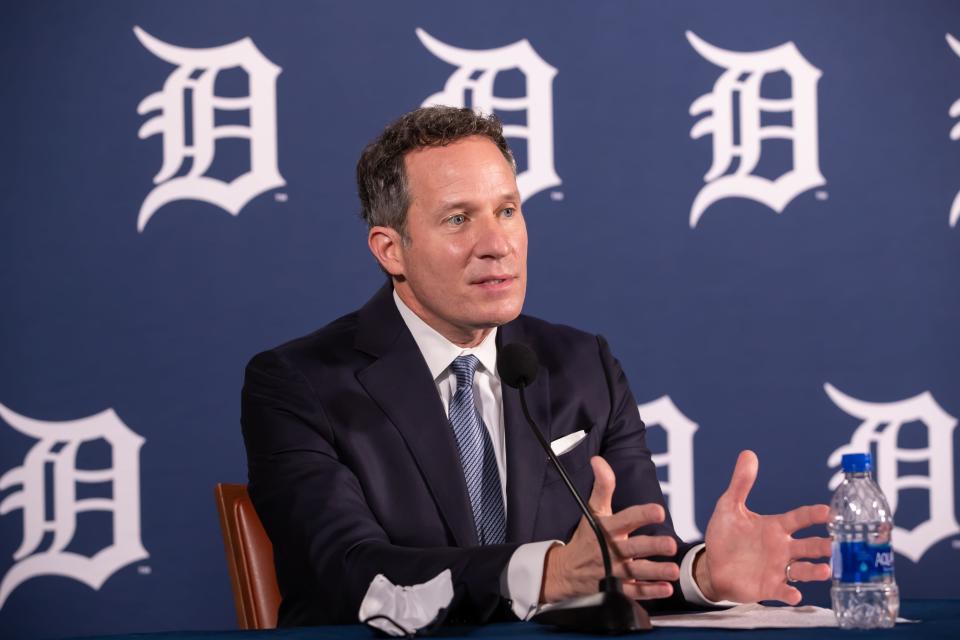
x=328, y=545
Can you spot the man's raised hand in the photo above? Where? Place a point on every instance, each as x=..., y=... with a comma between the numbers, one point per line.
x=747, y=554
x=576, y=568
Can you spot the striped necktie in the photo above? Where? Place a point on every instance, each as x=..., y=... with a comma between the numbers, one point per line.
x=477, y=456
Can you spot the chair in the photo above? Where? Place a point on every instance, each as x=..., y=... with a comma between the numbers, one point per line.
x=249, y=558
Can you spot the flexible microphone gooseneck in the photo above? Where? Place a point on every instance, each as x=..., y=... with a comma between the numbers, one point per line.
x=609, y=610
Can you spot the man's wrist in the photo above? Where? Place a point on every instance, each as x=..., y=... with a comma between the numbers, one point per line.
x=521, y=582
x=701, y=575
x=551, y=589
x=690, y=582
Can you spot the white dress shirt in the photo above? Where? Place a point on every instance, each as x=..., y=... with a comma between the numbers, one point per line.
x=523, y=576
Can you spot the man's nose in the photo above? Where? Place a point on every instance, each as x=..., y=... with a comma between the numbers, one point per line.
x=493, y=240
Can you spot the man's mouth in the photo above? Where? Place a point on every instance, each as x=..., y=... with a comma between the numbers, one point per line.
x=493, y=281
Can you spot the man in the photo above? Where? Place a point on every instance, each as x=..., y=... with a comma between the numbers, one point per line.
x=384, y=443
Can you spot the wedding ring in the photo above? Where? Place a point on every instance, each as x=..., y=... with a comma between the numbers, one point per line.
x=787, y=571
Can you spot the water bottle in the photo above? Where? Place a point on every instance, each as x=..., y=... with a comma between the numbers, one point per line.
x=864, y=592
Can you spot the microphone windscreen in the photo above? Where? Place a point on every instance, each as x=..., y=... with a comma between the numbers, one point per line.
x=517, y=364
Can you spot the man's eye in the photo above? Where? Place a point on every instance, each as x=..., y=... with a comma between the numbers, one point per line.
x=508, y=212
x=457, y=219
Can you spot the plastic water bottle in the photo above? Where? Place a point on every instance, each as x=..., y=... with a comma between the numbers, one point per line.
x=864, y=592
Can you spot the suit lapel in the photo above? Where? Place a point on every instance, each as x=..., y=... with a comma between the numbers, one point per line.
x=400, y=383
x=526, y=460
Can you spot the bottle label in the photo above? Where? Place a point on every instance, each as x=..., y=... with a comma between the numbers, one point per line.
x=861, y=562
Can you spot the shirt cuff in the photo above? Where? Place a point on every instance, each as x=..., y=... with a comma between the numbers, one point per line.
x=522, y=579
x=688, y=586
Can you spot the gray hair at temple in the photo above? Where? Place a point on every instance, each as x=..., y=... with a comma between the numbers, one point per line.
x=381, y=172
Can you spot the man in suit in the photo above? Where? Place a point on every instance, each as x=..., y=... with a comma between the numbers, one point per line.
x=385, y=443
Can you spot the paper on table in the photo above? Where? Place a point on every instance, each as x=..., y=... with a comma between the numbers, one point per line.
x=754, y=616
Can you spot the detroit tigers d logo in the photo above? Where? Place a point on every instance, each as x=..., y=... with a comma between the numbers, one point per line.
x=879, y=430
x=738, y=134
x=472, y=84
x=44, y=490
x=190, y=134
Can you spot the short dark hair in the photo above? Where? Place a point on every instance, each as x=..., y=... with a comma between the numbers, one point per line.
x=381, y=172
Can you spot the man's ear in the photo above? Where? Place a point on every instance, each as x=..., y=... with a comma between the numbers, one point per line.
x=386, y=245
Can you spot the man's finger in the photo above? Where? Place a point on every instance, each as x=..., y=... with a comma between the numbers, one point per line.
x=632, y=518
x=647, y=590
x=604, y=482
x=803, y=517
x=809, y=571
x=651, y=570
x=645, y=546
x=744, y=475
x=810, y=548
x=788, y=594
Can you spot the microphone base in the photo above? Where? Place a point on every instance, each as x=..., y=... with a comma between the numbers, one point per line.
x=605, y=612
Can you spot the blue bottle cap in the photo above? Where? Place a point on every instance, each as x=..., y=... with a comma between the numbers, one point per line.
x=856, y=462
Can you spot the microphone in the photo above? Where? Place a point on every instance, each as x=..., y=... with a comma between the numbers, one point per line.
x=609, y=610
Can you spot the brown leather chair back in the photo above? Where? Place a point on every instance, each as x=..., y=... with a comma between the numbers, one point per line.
x=249, y=558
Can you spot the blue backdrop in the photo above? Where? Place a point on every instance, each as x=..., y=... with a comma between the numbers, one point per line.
x=831, y=324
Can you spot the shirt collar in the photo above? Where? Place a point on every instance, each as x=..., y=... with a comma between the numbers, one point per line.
x=440, y=352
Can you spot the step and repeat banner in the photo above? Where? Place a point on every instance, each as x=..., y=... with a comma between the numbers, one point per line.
x=757, y=204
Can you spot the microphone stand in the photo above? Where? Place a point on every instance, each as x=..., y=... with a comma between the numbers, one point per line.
x=609, y=610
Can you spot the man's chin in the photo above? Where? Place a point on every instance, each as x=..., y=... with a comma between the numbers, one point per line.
x=497, y=308
x=498, y=318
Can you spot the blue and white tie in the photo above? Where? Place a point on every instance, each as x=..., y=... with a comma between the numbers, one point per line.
x=477, y=456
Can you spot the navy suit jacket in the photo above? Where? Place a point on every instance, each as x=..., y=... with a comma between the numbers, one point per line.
x=354, y=469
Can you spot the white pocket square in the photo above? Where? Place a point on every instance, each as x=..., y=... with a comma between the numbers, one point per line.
x=561, y=445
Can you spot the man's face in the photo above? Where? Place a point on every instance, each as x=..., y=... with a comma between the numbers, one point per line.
x=464, y=266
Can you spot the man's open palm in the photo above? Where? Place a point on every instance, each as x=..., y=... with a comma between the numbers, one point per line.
x=747, y=554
